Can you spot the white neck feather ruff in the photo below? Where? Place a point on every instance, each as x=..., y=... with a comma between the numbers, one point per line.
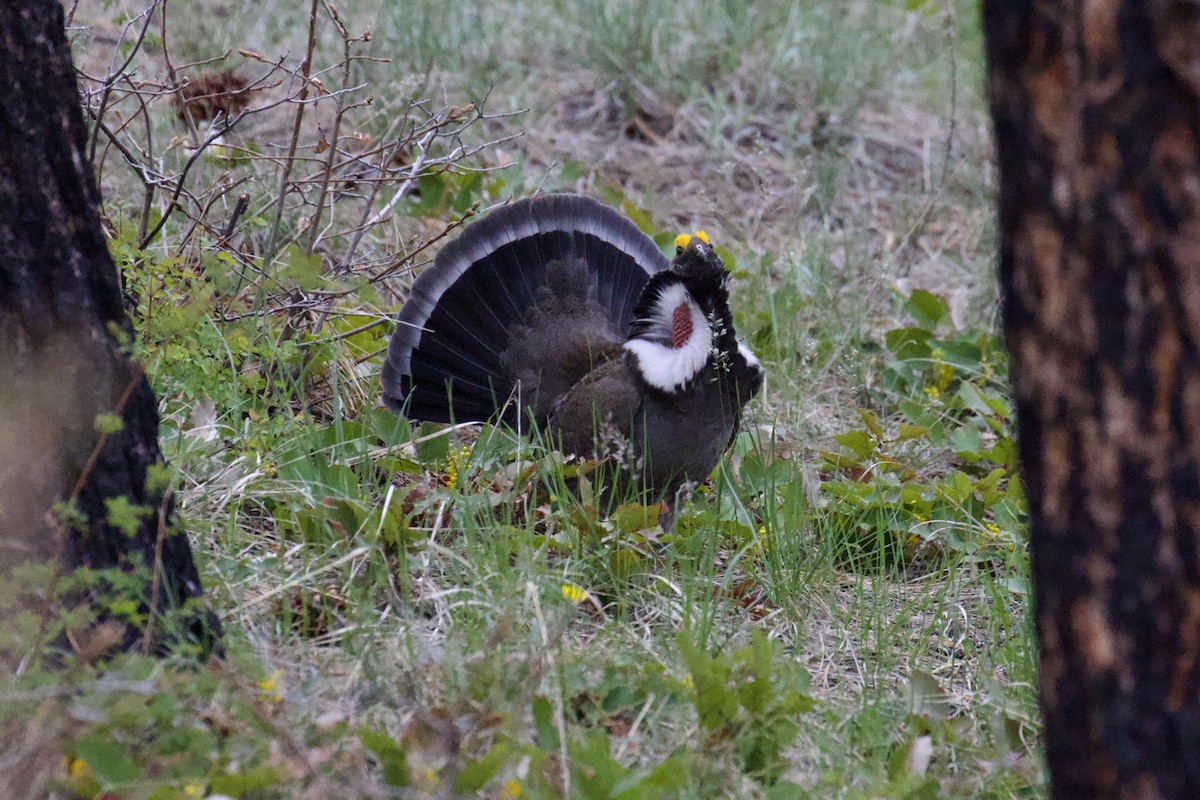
x=677, y=342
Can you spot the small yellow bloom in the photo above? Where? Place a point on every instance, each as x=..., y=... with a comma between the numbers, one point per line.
x=993, y=527
x=271, y=688
x=573, y=593
x=193, y=790
x=945, y=374
x=689, y=682
x=933, y=392
x=77, y=768
x=511, y=791
x=455, y=463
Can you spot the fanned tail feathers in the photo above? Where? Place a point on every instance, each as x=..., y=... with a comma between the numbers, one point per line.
x=481, y=316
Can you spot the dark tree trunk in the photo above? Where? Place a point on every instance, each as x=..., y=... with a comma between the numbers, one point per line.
x=1096, y=108
x=61, y=363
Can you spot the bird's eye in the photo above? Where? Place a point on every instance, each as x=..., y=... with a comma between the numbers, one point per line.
x=678, y=251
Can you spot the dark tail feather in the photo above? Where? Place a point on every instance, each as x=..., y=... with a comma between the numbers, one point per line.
x=445, y=360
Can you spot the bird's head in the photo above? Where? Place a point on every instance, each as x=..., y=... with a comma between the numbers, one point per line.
x=682, y=314
x=702, y=270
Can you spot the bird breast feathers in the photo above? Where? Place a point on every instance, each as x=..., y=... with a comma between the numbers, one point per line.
x=676, y=343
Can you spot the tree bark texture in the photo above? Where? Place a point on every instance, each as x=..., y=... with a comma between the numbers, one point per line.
x=1096, y=108
x=61, y=325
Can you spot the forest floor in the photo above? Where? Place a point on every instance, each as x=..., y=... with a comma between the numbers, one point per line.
x=842, y=610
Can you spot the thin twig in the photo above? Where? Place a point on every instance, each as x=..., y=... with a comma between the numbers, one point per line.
x=347, y=63
x=285, y=173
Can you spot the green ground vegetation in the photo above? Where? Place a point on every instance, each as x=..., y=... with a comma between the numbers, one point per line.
x=840, y=612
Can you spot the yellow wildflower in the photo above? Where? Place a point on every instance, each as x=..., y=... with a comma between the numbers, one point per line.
x=573, y=593
x=193, y=790
x=271, y=687
x=511, y=791
x=77, y=768
x=945, y=374
x=689, y=682
x=933, y=392
x=455, y=463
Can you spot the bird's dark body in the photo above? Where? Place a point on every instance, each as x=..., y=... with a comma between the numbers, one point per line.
x=527, y=318
x=657, y=442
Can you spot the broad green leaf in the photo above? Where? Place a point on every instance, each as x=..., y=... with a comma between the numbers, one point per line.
x=111, y=765
x=543, y=725
x=858, y=442
x=390, y=754
x=926, y=308
x=478, y=772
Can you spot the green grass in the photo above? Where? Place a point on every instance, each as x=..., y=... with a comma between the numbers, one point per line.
x=840, y=612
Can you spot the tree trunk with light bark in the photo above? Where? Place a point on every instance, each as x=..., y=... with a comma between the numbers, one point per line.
x=70, y=494
x=1096, y=109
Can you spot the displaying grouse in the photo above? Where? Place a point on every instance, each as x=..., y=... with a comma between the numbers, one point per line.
x=558, y=314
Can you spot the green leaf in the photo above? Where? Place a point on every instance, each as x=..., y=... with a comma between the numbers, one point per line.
x=858, y=442
x=971, y=398
x=962, y=354
x=908, y=343
x=543, y=725
x=908, y=432
x=241, y=783
x=926, y=308
x=125, y=516
x=672, y=774
x=108, y=424
x=390, y=754
x=872, y=422
x=431, y=194
x=716, y=705
x=158, y=478
x=108, y=761
x=786, y=791
x=968, y=443
x=478, y=772
x=632, y=517
x=301, y=269
x=926, y=698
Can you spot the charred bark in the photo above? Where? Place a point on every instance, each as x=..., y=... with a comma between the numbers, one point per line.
x=1096, y=109
x=68, y=492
